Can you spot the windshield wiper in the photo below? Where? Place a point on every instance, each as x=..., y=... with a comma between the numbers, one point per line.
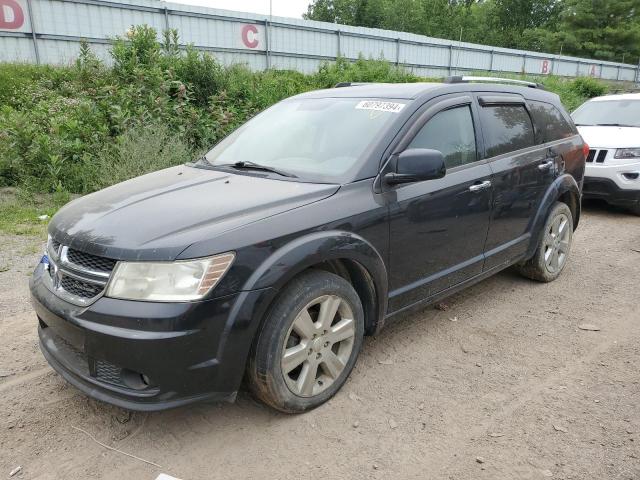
x=614, y=125
x=244, y=165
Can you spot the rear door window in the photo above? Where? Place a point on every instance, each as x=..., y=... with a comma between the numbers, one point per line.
x=550, y=122
x=451, y=132
x=506, y=128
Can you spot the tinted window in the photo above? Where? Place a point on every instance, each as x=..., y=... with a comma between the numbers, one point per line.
x=450, y=131
x=550, y=122
x=506, y=128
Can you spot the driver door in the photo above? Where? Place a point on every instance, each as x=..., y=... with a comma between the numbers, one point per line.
x=438, y=228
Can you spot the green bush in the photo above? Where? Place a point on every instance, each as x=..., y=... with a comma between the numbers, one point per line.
x=588, y=87
x=574, y=92
x=80, y=128
x=138, y=151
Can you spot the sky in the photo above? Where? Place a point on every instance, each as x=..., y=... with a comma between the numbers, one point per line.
x=281, y=8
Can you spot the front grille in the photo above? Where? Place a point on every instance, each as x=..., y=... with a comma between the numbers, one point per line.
x=80, y=288
x=597, y=155
x=108, y=372
x=92, y=262
x=55, y=246
x=76, y=276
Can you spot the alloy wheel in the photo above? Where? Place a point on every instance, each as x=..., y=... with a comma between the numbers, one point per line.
x=557, y=243
x=318, y=345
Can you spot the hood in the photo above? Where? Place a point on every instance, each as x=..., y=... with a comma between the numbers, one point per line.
x=156, y=216
x=611, y=137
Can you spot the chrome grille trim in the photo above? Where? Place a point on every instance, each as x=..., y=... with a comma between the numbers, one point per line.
x=61, y=268
x=91, y=275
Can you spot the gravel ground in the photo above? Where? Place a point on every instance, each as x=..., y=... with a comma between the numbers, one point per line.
x=503, y=384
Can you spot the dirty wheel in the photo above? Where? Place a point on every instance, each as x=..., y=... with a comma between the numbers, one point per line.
x=309, y=343
x=552, y=252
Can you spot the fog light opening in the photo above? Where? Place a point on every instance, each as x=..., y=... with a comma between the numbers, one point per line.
x=135, y=380
x=631, y=175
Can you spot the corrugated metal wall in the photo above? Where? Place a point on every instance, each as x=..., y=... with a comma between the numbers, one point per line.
x=252, y=39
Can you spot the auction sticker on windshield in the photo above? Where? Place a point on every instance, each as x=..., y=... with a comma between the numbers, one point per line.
x=380, y=106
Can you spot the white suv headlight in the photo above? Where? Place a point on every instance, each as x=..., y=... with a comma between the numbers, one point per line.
x=627, y=153
x=179, y=281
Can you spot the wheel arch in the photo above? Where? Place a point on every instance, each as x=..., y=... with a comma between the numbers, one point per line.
x=564, y=189
x=343, y=253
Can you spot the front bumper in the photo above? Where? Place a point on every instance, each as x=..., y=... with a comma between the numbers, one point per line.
x=146, y=355
x=606, y=189
x=625, y=173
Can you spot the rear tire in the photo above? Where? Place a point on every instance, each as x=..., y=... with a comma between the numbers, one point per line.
x=552, y=253
x=308, y=344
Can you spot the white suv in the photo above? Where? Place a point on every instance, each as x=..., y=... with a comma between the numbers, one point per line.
x=611, y=127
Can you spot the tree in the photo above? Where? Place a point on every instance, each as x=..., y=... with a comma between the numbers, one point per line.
x=599, y=29
x=334, y=11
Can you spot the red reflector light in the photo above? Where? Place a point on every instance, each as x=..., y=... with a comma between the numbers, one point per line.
x=585, y=150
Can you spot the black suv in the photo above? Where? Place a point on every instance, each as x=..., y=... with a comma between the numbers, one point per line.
x=307, y=228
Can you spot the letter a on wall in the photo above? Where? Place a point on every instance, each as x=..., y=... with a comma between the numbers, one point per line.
x=11, y=15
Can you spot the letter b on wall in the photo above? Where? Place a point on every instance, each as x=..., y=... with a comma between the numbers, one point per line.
x=545, y=67
x=11, y=15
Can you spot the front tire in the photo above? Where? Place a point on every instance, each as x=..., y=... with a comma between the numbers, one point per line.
x=309, y=343
x=553, y=250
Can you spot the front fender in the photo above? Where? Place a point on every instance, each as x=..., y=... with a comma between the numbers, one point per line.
x=314, y=248
x=563, y=185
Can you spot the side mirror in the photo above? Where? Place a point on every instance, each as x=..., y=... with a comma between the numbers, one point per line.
x=416, y=165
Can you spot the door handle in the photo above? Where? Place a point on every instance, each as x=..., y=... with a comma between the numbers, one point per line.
x=544, y=166
x=480, y=186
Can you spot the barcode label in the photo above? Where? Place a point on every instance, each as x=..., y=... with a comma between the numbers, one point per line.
x=380, y=106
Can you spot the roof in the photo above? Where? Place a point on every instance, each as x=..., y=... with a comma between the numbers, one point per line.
x=621, y=96
x=374, y=90
x=413, y=91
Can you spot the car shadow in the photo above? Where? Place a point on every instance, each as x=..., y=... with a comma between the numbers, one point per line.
x=601, y=207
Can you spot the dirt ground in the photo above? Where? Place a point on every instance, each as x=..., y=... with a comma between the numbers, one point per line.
x=501, y=385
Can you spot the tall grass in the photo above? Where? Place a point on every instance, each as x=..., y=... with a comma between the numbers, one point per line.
x=79, y=128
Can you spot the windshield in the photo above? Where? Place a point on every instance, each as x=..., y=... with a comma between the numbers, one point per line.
x=318, y=139
x=609, y=112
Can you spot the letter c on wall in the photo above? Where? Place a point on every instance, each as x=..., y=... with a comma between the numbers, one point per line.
x=249, y=35
x=14, y=21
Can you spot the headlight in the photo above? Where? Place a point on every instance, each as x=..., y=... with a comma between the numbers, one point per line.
x=179, y=281
x=627, y=153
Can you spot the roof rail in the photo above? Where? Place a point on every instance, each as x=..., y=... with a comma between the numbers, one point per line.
x=469, y=79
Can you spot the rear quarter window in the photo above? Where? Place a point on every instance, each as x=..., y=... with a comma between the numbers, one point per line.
x=551, y=124
x=506, y=128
